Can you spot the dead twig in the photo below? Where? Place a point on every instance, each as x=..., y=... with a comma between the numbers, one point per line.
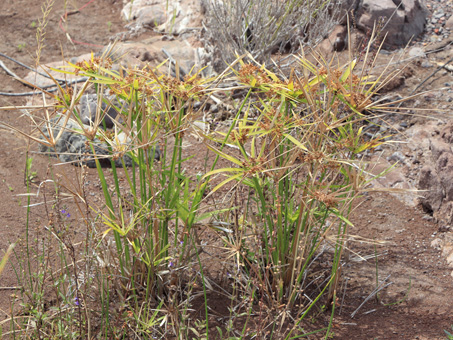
x=431, y=75
x=373, y=293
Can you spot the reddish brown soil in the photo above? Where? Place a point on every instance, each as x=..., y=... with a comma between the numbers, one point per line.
x=408, y=258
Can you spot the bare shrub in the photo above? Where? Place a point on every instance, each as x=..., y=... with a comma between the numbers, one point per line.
x=263, y=27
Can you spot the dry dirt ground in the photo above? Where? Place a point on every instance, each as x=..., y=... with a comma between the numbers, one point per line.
x=407, y=259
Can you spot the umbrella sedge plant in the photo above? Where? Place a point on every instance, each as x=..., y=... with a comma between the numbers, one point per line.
x=300, y=158
x=295, y=148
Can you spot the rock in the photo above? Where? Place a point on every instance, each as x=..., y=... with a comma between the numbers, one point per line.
x=73, y=147
x=432, y=195
x=436, y=178
x=150, y=52
x=406, y=19
x=416, y=52
x=347, y=8
x=397, y=157
x=88, y=106
x=447, y=251
x=449, y=23
x=151, y=17
x=176, y=16
x=337, y=41
x=42, y=81
x=436, y=243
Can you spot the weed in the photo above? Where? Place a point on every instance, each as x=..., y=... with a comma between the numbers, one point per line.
x=6, y=257
x=21, y=47
x=30, y=175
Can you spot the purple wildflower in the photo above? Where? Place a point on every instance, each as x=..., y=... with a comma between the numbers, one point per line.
x=76, y=301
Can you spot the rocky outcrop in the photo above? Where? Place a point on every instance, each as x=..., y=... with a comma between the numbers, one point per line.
x=436, y=178
x=401, y=19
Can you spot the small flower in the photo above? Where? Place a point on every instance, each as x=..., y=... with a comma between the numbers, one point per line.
x=64, y=212
x=76, y=301
x=171, y=264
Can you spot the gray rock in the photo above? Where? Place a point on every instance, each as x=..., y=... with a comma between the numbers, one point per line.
x=406, y=19
x=149, y=52
x=73, y=147
x=397, y=157
x=416, y=52
x=151, y=17
x=88, y=107
x=347, y=8
x=176, y=17
x=439, y=13
x=426, y=64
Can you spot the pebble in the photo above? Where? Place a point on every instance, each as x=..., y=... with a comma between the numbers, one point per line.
x=439, y=14
x=214, y=108
x=397, y=157
x=416, y=52
x=439, y=22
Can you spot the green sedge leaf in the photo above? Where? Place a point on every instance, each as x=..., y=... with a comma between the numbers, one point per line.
x=225, y=156
x=218, y=171
x=348, y=70
x=229, y=179
x=295, y=141
x=341, y=217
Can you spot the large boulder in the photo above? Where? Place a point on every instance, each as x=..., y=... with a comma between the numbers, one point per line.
x=401, y=19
